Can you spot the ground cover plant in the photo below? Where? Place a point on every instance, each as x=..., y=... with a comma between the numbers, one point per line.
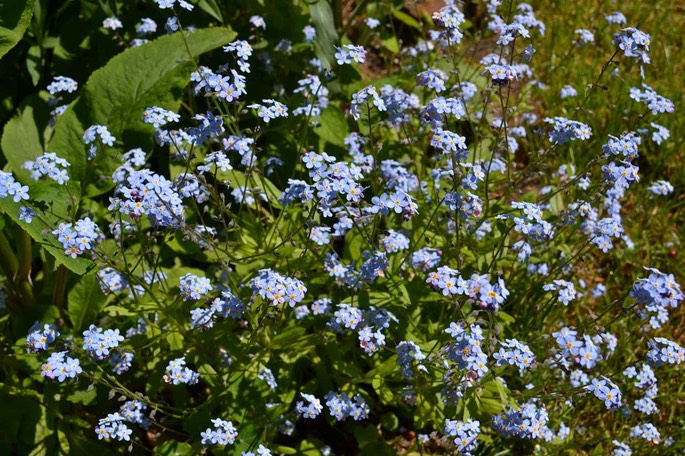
x=346, y=227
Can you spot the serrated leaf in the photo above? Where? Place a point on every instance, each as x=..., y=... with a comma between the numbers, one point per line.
x=85, y=301
x=116, y=95
x=15, y=17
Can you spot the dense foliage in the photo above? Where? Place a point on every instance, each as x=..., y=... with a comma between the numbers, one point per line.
x=346, y=227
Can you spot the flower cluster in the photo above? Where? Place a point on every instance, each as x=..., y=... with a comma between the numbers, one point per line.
x=567, y=291
x=657, y=293
x=655, y=102
x=466, y=351
x=661, y=187
x=228, y=88
x=532, y=226
x=10, y=187
x=164, y=4
x=78, y=238
x=633, y=43
x=662, y=351
x=565, y=130
x=434, y=79
x=341, y=406
x=406, y=353
x=132, y=411
x=450, y=283
x=39, y=338
x=425, y=258
x=59, y=366
x=48, y=164
x=514, y=353
x=120, y=361
x=529, y=422
x=113, y=427
x=349, y=53
x=311, y=409
x=146, y=26
x=92, y=134
x=223, y=433
x=97, y=344
x=62, y=84
x=277, y=288
x=362, y=98
x=269, y=110
x=158, y=117
x=112, y=23
x=268, y=376
x=242, y=50
x=584, y=351
x=369, y=325
x=227, y=305
x=194, y=287
x=465, y=434
x=176, y=373
x=143, y=192
x=646, y=431
x=607, y=391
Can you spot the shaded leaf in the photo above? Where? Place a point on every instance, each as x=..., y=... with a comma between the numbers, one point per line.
x=326, y=35
x=85, y=301
x=21, y=142
x=332, y=126
x=15, y=17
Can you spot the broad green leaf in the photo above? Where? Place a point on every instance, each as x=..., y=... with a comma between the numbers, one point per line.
x=85, y=301
x=21, y=142
x=116, y=95
x=326, y=35
x=332, y=126
x=15, y=17
x=53, y=203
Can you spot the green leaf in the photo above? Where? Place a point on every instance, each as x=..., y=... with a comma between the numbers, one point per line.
x=51, y=196
x=212, y=8
x=15, y=17
x=175, y=341
x=391, y=44
x=174, y=447
x=326, y=35
x=407, y=19
x=33, y=64
x=85, y=301
x=116, y=95
x=21, y=142
x=332, y=126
